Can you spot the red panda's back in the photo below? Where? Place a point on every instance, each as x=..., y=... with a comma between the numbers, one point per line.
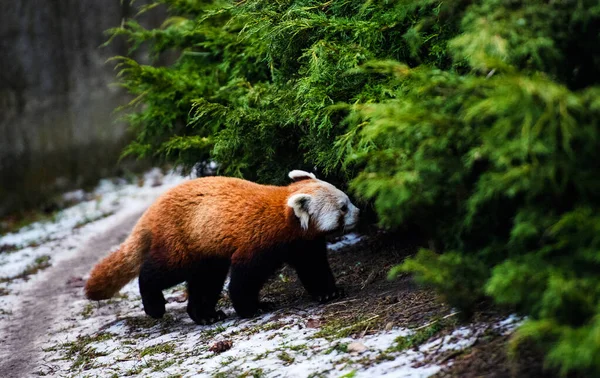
x=214, y=216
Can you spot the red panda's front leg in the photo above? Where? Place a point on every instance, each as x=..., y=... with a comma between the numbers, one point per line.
x=309, y=259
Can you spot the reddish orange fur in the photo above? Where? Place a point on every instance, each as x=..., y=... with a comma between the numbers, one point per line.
x=211, y=216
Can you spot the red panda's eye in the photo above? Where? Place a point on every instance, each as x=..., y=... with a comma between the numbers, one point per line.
x=344, y=208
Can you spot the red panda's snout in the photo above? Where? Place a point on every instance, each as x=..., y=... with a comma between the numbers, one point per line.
x=351, y=217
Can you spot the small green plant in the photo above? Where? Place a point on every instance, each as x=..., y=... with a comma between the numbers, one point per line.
x=80, y=351
x=298, y=348
x=254, y=373
x=341, y=347
x=227, y=361
x=162, y=365
x=335, y=329
x=134, y=371
x=262, y=356
x=87, y=310
x=159, y=348
x=351, y=374
x=285, y=357
x=422, y=335
x=210, y=333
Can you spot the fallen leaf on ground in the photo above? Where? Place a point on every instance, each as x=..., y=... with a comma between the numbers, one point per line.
x=313, y=323
x=221, y=346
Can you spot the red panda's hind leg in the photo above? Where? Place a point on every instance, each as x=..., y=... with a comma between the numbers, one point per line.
x=154, y=278
x=205, y=281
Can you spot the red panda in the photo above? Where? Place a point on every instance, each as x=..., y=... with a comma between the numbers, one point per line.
x=200, y=230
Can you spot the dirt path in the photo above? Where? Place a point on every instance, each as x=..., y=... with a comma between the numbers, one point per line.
x=44, y=302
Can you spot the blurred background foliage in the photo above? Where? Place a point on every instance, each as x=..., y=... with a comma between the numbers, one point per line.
x=476, y=121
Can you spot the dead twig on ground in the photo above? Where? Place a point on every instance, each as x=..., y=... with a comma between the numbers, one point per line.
x=435, y=321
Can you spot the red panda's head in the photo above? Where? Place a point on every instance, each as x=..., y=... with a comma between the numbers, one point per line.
x=321, y=205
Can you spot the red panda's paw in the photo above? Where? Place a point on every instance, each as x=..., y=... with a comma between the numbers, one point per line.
x=154, y=305
x=336, y=293
x=207, y=319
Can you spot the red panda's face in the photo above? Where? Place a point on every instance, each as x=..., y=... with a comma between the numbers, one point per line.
x=321, y=205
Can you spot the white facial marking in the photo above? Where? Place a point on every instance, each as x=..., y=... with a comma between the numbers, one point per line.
x=300, y=203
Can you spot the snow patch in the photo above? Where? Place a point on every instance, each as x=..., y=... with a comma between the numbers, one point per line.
x=113, y=200
x=277, y=344
x=345, y=241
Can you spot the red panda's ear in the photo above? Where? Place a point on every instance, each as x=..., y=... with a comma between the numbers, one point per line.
x=298, y=175
x=300, y=204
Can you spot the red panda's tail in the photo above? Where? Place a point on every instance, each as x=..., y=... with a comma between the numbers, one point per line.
x=120, y=267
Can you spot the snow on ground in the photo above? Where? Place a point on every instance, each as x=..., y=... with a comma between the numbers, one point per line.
x=115, y=338
x=48, y=243
x=110, y=201
x=118, y=339
x=345, y=241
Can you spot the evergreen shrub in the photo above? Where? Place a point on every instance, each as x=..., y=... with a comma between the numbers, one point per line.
x=475, y=120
